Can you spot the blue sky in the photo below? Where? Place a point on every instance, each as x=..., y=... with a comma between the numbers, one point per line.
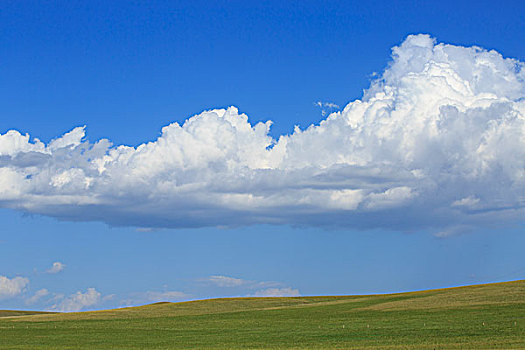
x=368, y=221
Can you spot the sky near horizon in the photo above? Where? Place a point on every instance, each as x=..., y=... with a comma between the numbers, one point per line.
x=168, y=151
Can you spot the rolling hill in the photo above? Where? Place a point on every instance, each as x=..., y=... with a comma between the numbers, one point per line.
x=488, y=316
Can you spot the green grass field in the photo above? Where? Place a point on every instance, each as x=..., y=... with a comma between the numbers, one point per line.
x=490, y=316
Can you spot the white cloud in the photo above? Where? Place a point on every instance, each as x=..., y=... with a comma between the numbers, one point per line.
x=225, y=281
x=277, y=292
x=57, y=267
x=79, y=301
x=39, y=294
x=12, y=287
x=443, y=123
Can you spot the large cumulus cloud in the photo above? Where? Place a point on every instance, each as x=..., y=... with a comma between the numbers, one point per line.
x=437, y=141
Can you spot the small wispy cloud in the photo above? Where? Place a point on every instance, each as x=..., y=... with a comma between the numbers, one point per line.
x=56, y=268
x=454, y=231
x=147, y=297
x=165, y=296
x=326, y=107
x=109, y=297
x=236, y=282
x=251, y=287
x=326, y=104
x=225, y=281
x=277, y=292
x=39, y=294
x=468, y=202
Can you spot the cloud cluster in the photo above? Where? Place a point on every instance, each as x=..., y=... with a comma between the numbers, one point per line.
x=79, y=301
x=437, y=141
x=12, y=287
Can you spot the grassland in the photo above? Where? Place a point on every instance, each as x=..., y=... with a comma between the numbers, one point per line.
x=490, y=316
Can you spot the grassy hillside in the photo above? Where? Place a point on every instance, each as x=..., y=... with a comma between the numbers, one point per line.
x=477, y=317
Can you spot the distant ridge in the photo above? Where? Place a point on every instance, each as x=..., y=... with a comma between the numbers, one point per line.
x=11, y=313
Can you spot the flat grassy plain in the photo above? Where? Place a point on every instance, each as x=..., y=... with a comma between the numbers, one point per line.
x=490, y=316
